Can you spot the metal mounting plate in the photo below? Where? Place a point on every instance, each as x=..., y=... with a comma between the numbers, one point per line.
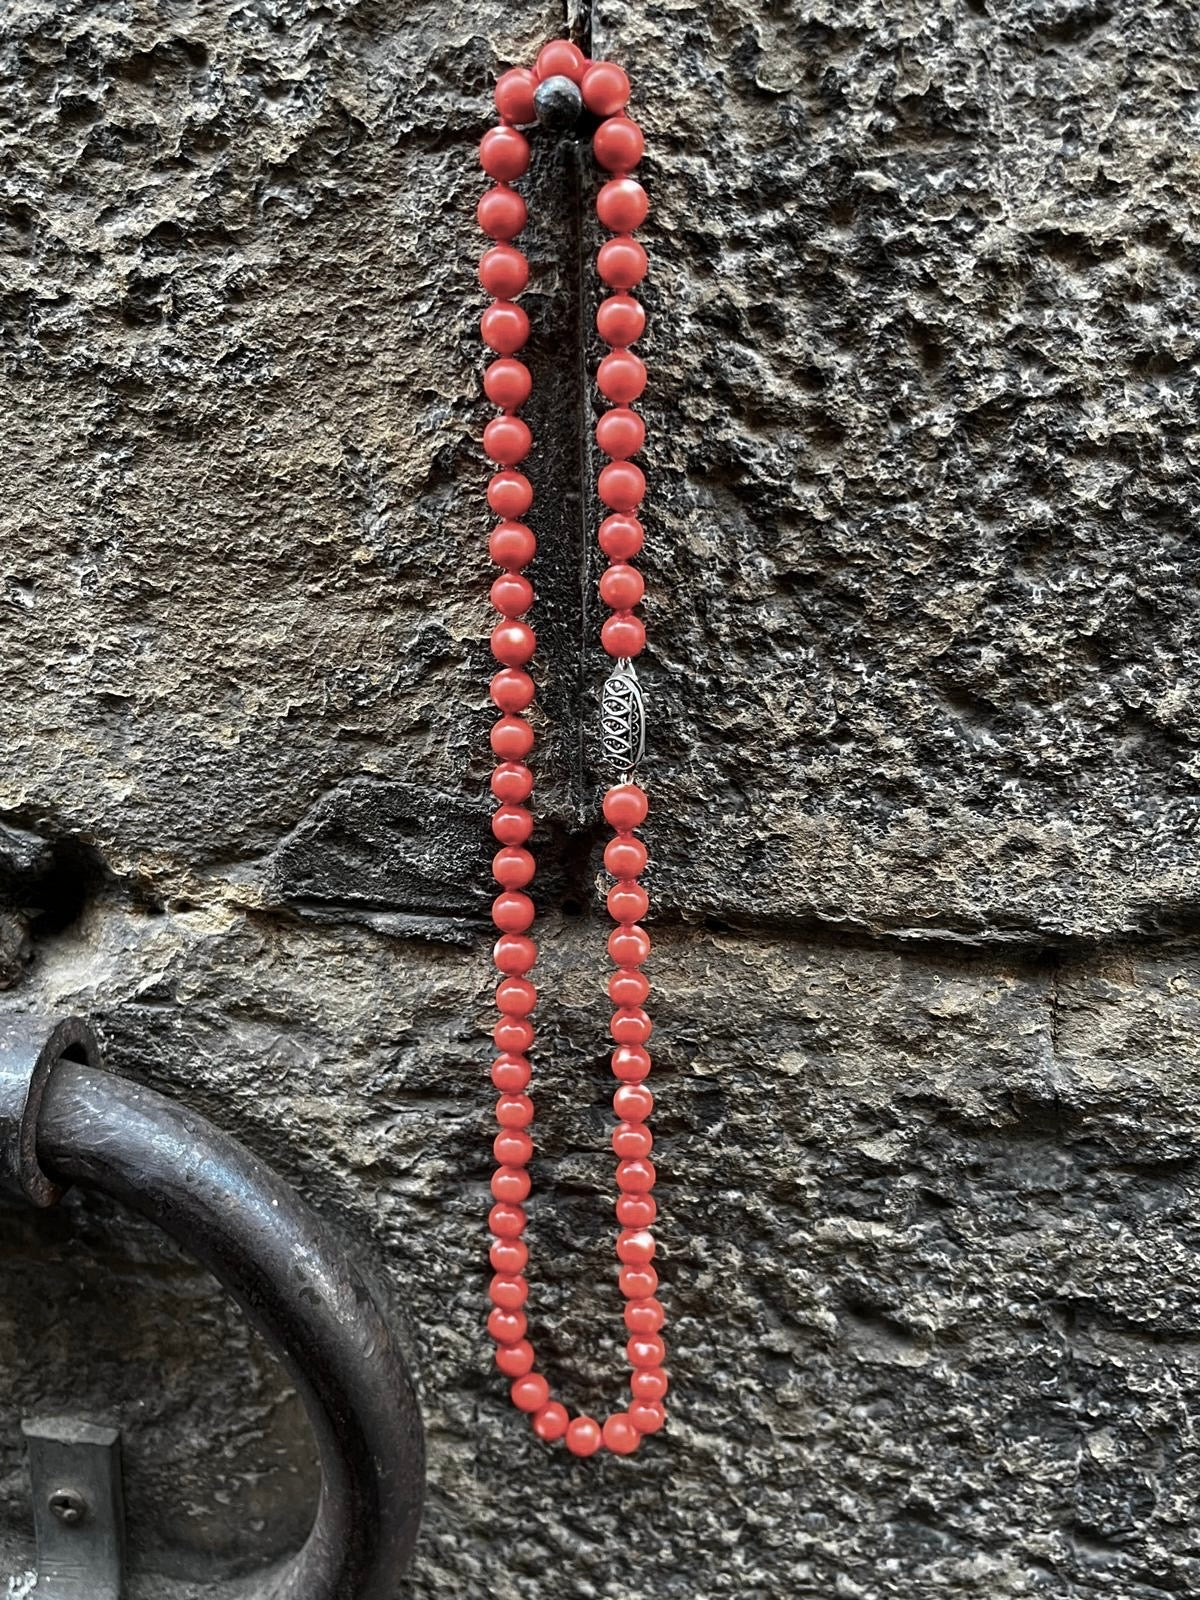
x=78, y=1509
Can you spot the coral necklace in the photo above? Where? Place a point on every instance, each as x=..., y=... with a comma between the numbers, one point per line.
x=561, y=82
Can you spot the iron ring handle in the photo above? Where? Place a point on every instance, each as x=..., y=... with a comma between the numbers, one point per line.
x=65, y=1121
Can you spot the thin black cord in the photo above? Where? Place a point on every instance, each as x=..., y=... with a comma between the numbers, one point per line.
x=583, y=378
x=577, y=19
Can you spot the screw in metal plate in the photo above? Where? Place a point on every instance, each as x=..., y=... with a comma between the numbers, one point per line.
x=69, y=1506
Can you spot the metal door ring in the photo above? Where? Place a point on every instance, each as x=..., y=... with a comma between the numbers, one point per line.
x=64, y=1121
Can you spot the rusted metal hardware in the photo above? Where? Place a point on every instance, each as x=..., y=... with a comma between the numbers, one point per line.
x=64, y=1121
x=30, y=1049
x=78, y=1509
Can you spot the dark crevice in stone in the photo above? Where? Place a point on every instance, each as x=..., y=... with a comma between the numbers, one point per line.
x=569, y=868
x=577, y=23
x=871, y=1324
x=428, y=927
x=48, y=878
x=1042, y=948
x=567, y=880
x=564, y=570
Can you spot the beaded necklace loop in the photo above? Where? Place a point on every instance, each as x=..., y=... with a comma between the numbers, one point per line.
x=562, y=82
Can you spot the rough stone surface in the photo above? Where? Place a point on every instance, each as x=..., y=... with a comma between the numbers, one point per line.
x=923, y=752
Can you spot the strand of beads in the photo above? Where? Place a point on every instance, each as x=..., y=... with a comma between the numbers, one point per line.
x=621, y=206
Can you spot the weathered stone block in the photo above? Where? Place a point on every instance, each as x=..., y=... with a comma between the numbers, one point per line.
x=923, y=752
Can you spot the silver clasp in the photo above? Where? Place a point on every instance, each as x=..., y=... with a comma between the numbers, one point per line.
x=623, y=718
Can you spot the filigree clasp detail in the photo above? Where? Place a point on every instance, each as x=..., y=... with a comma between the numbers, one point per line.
x=623, y=718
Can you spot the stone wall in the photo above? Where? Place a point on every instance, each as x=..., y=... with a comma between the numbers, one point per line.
x=922, y=679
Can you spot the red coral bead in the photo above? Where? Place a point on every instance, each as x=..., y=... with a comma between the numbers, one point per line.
x=511, y=782
x=507, y=441
x=511, y=689
x=621, y=262
x=630, y=1063
x=620, y=1435
x=504, y=155
x=512, y=824
x=510, y=1183
x=550, y=1423
x=623, y=635
x=622, y=586
x=620, y=433
x=649, y=1383
x=621, y=485
x=647, y=1416
x=514, y=953
x=510, y=1074
x=513, y=643
x=620, y=320
x=629, y=1140
x=513, y=1035
x=627, y=902
x=628, y=945
x=645, y=1350
x=621, y=376
x=621, y=537
x=644, y=1316
x=637, y=1281
x=515, y=1360
x=511, y=738
x=531, y=1393
x=514, y=868
x=636, y=1246
x=512, y=912
x=514, y=94
x=501, y=213
x=634, y=1177
x=560, y=58
x=618, y=144
x=625, y=857
x=505, y=327
x=508, y=383
x=636, y=1210
x=516, y=996
x=605, y=88
x=511, y=595
x=504, y=271
x=512, y=1147
x=506, y=1327
x=510, y=544
x=633, y=1102
x=509, y=1291
x=628, y=987
x=631, y=1025
x=621, y=205
x=625, y=806
x=508, y=1255
x=507, y=1221
x=583, y=1436
x=514, y=1111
